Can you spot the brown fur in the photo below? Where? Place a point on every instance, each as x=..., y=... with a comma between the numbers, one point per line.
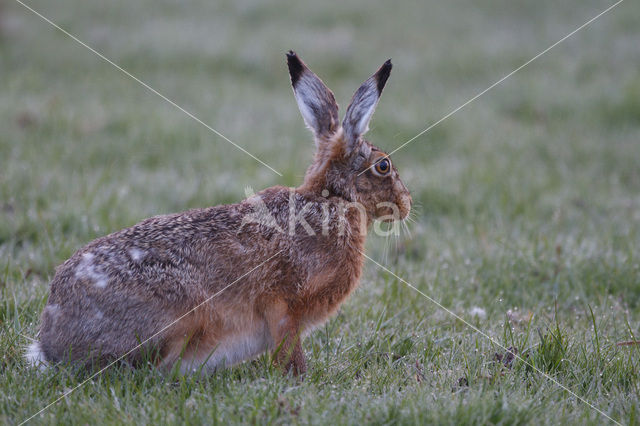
x=125, y=287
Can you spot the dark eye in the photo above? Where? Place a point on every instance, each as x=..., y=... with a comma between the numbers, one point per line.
x=383, y=166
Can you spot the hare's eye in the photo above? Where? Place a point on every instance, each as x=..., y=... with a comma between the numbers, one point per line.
x=383, y=166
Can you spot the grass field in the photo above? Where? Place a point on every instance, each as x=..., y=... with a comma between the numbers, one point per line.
x=528, y=199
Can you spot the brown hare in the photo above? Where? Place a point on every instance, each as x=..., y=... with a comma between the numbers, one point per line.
x=215, y=286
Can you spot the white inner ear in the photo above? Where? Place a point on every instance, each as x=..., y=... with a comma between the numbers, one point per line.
x=304, y=94
x=363, y=112
x=307, y=113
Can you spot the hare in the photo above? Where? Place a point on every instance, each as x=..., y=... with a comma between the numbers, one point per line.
x=212, y=287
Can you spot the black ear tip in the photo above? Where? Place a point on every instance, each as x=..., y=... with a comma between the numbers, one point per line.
x=296, y=67
x=383, y=74
x=385, y=69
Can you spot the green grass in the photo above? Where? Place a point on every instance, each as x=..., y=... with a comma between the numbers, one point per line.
x=528, y=199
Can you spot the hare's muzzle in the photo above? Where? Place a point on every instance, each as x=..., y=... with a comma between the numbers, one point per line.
x=404, y=205
x=392, y=211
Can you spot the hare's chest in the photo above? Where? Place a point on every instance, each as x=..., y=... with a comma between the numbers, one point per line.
x=325, y=293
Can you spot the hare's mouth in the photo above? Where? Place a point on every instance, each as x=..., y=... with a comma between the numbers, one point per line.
x=393, y=212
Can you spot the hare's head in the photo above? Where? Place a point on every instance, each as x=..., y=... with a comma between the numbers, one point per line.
x=345, y=164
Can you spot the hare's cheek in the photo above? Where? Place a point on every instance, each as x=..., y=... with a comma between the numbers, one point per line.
x=363, y=186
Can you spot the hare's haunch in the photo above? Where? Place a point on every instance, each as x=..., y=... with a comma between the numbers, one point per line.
x=126, y=287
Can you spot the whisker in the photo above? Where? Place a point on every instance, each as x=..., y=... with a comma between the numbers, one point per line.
x=395, y=237
x=406, y=228
x=385, y=251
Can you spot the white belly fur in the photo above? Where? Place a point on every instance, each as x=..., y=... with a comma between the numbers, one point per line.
x=233, y=349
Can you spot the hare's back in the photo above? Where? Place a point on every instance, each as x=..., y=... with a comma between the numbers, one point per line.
x=158, y=258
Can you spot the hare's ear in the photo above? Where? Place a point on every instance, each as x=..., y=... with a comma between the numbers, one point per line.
x=316, y=102
x=363, y=104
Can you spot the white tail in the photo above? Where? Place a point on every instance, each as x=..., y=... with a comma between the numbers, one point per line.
x=35, y=357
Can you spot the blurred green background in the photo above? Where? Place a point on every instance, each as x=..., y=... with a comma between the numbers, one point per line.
x=528, y=199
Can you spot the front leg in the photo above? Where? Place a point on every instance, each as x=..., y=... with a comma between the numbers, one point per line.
x=286, y=334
